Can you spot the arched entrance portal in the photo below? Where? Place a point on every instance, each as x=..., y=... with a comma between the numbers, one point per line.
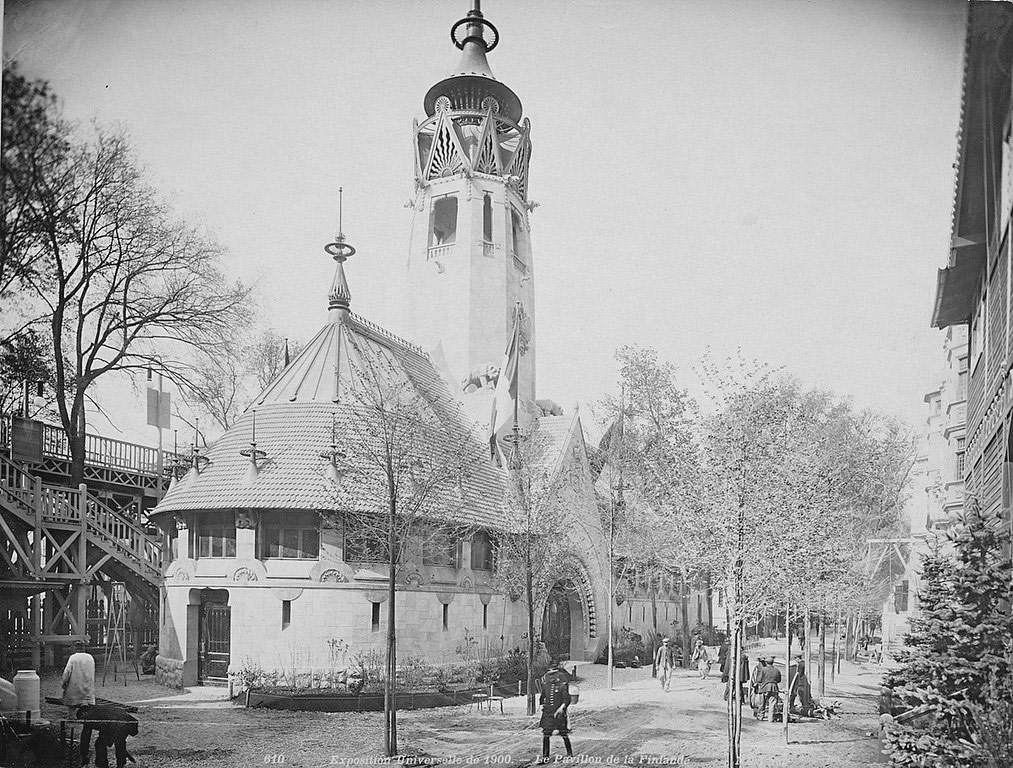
x=563, y=625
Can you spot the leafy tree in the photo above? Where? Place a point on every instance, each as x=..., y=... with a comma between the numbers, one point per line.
x=24, y=357
x=958, y=653
x=651, y=453
x=35, y=148
x=122, y=284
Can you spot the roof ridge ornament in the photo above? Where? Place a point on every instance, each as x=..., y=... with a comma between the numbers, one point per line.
x=340, y=297
x=254, y=454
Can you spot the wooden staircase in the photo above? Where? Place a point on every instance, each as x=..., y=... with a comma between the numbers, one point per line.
x=58, y=542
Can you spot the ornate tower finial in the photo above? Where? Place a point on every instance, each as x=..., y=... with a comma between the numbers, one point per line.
x=340, y=297
x=473, y=83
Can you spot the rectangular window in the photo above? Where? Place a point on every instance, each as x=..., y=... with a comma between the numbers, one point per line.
x=443, y=230
x=292, y=536
x=216, y=534
x=362, y=543
x=962, y=385
x=481, y=552
x=286, y=613
x=439, y=548
x=446, y=617
x=375, y=617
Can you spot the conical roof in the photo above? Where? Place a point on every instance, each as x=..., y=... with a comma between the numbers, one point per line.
x=326, y=396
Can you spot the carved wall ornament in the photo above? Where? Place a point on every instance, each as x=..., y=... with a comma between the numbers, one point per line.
x=413, y=580
x=467, y=583
x=524, y=332
x=332, y=576
x=244, y=574
x=181, y=575
x=246, y=519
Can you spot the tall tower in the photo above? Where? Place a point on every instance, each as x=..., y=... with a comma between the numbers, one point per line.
x=470, y=266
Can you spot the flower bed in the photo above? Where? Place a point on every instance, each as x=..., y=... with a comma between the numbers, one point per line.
x=328, y=701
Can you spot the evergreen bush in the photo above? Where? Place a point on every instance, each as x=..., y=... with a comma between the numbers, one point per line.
x=957, y=657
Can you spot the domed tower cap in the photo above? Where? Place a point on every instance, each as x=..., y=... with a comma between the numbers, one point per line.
x=472, y=83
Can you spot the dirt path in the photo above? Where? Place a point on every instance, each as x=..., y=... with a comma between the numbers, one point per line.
x=636, y=724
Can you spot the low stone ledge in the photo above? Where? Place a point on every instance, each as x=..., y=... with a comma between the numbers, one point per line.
x=169, y=672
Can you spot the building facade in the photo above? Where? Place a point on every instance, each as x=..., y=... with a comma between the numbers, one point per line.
x=270, y=570
x=974, y=288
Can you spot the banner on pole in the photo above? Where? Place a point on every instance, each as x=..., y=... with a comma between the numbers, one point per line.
x=159, y=406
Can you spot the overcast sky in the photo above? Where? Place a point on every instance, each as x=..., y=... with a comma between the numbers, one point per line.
x=771, y=175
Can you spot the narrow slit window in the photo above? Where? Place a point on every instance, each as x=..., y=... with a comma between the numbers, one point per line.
x=485, y=617
x=487, y=218
x=375, y=619
x=446, y=617
x=286, y=613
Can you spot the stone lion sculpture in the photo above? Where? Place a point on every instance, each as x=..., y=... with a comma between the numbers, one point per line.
x=480, y=377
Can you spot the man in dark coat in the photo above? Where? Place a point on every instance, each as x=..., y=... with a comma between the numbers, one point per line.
x=114, y=724
x=555, y=700
x=743, y=675
x=768, y=685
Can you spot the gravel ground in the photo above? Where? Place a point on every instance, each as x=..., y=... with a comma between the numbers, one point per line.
x=636, y=724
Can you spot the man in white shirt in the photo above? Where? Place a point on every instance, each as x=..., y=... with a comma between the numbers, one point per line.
x=79, y=679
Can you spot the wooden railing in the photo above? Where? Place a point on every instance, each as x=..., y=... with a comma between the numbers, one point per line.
x=127, y=535
x=62, y=506
x=98, y=451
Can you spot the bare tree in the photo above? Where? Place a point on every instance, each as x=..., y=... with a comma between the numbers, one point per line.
x=125, y=285
x=403, y=487
x=223, y=382
x=532, y=555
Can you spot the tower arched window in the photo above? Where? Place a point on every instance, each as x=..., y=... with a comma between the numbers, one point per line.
x=443, y=224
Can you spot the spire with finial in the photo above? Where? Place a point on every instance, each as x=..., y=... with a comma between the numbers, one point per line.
x=340, y=297
x=472, y=83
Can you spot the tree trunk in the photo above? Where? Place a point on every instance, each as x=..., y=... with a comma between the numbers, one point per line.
x=389, y=690
x=684, y=594
x=787, y=666
x=654, y=634
x=76, y=441
x=805, y=643
x=531, y=639
x=710, y=608
x=823, y=653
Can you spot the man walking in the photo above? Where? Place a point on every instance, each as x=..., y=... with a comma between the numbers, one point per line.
x=664, y=660
x=555, y=700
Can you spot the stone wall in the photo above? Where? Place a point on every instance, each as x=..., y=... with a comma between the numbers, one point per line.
x=169, y=672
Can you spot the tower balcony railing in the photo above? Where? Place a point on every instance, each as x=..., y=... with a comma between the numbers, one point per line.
x=439, y=251
x=503, y=123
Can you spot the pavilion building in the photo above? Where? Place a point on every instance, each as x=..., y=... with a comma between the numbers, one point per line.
x=268, y=566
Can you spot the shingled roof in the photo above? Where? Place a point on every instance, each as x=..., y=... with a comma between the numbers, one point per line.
x=323, y=396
